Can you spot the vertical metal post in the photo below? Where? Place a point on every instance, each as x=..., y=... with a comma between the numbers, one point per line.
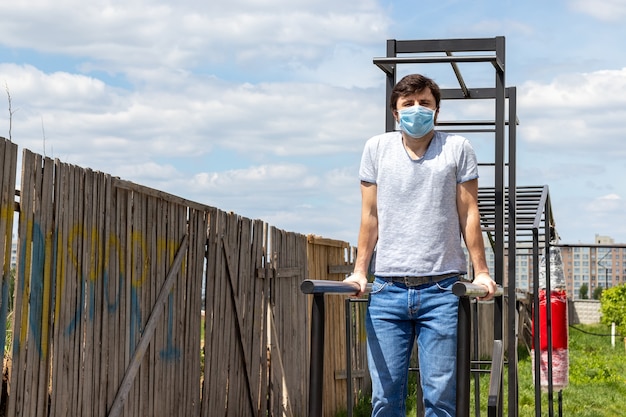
x=348, y=315
x=536, y=321
x=548, y=238
x=390, y=122
x=476, y=357
x=513, y=391
x=316, y=375
x=499, y=189
x=463, y=359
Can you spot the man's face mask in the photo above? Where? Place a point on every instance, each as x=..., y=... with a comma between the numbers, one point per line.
x=416, y=121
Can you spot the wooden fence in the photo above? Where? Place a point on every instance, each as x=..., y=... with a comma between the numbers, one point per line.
x=107, y=316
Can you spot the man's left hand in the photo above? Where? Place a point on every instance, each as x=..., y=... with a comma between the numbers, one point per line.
x=490, y=285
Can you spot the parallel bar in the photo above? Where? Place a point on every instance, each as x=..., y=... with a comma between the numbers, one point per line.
x=316, y=376
x=348, y=317
x=463, y=359
x=322, y=286
x=467, y=289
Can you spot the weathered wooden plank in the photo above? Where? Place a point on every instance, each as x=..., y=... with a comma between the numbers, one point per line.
x=105, y=210
x=8, y=156
x=219, y=378
x=22, y=287
x=231, y=358
x=158, y=388
x=191, y=344
x=45, y=318
x=178, y=316
x=32, y=343
x=209, y=316
x=116, y=300
x=126, y=316
x=256, y=319
x=87, y=271
x=79, y=302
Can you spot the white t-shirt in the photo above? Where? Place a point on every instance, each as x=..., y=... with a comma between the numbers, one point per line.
x=418, y=225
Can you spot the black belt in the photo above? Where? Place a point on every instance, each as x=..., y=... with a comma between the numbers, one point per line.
x=417, y=281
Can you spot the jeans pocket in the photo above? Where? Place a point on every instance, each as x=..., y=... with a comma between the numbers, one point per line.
x=378, y=285
x=446, y=284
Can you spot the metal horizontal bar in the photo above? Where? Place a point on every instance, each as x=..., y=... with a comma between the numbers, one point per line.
x=469, y=123
x=469, y=130
x=322, y=286
x=451, y=45
x=467, y=289
x=474, y=93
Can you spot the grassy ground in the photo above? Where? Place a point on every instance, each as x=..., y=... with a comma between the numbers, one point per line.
x=597, y=380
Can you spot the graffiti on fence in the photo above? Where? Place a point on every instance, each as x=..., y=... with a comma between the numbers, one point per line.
x=92, y=270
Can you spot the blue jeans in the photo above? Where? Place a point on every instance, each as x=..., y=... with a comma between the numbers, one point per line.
x=396, y=316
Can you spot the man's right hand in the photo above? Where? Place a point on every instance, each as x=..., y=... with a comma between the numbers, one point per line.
x=360, y=280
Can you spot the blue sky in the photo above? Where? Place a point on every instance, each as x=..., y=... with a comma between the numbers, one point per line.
x=262, y=107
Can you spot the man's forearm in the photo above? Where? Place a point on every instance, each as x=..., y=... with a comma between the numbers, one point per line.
x=368, y=236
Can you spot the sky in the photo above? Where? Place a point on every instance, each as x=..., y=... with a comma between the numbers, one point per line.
x=262, y=107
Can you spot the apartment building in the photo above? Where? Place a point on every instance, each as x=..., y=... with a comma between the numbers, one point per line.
x=601, y=264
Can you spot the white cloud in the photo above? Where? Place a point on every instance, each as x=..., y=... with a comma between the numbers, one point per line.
x=90, y=120
x=135, y=38
x=606, y=10
x=607, y=204
x=576, y=113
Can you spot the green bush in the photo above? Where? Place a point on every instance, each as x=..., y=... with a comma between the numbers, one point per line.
x=613, y=307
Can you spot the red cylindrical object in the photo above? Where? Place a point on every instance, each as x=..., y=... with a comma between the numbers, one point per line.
x=560, y=353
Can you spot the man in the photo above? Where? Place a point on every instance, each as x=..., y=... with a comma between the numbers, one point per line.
x=419, y=192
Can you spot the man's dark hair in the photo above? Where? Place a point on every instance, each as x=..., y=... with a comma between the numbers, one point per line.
x=411, y=84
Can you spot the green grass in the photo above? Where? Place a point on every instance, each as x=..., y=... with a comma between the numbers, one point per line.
x=597, y=380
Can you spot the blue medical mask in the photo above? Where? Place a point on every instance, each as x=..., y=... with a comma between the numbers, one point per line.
x=416, y=120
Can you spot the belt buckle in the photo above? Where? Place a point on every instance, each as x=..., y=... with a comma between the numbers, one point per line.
x=415, y=281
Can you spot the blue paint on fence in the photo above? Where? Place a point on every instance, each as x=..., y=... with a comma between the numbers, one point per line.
x=170, y=353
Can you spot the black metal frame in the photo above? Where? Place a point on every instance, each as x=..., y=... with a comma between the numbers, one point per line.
x=492, y=50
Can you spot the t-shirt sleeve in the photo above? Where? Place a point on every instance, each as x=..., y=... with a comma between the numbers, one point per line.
x=468, y=163
x=368, y=171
